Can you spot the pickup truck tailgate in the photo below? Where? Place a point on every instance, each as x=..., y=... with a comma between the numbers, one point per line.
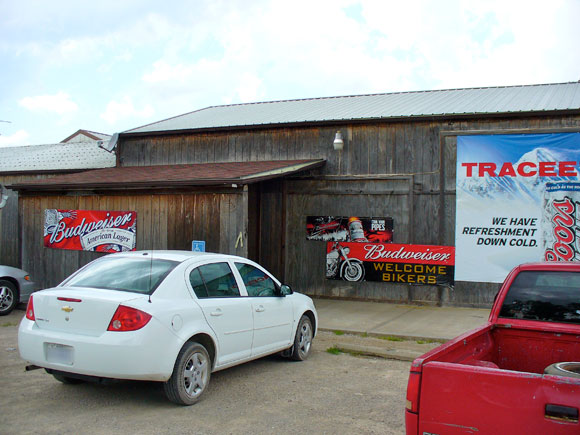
x=459, y=398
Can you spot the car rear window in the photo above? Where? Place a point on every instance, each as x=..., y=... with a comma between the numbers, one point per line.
x=132, y=274
x=549, y=296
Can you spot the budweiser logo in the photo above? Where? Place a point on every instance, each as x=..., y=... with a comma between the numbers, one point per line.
x=563, y=222
x=382, y=252
x=61, y=231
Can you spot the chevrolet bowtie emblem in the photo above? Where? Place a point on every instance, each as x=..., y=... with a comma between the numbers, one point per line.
x=67, y=308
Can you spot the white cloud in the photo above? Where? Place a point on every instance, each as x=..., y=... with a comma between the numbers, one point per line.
x=197, y=54
x=18, y=138
x=124, y=109
x=164, y=72
x=250, y=88
x=59, y=103
x=463, y=43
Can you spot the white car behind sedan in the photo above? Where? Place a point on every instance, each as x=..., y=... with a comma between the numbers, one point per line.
x=16, y=286
x=169, y=316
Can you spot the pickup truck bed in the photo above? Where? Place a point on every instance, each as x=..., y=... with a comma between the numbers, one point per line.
x=491, y=381
x=509, y=348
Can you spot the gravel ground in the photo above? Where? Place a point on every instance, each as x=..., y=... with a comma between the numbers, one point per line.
x=327, y=394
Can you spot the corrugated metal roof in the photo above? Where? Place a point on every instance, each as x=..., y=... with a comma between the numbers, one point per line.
x=452, y=102
x=199, y=174
x=55, y=157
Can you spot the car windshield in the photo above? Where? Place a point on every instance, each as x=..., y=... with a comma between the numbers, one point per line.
x=545, y=296
x=138, y=275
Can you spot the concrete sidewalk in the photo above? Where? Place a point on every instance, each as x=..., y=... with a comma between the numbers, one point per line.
x=405, y=321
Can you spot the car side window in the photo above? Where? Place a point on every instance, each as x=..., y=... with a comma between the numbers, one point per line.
x=197, y=284
x=257, y=282
x=213, y=281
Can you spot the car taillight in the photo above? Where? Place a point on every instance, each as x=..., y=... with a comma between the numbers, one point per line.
x=69, y=299
x=128, y=319
x=30, y=310
x=413, y=388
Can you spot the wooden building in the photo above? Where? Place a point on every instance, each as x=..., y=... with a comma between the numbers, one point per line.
x=36, y=163
x=244, y=178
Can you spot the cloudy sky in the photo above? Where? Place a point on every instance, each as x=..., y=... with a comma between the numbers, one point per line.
x=109, y=66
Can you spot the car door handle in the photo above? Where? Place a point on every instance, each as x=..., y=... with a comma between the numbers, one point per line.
x=260, y=309
x=216, y=313
x=562, y=413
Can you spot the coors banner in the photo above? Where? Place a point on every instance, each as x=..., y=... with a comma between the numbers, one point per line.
x=90, y=230
x=517, y=202
x=560, y=222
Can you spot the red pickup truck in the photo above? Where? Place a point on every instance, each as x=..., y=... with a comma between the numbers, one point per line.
x=517, y=374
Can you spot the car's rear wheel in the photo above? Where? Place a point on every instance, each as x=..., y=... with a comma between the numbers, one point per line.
x=302, y=340
x=191, y=375
x=8, y=297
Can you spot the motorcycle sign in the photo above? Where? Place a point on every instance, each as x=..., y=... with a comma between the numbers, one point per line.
x=389, y=262
x=340, y=266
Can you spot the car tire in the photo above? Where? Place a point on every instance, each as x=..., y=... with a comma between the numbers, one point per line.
x=568, y=369
x=8, y=297
x=66, y=379
x=302, y=340
x=190, y=376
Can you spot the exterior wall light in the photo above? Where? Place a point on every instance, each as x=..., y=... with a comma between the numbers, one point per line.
x=338, y=142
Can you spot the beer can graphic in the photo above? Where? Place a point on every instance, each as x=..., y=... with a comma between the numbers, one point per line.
x=356, y=230
x=560, y=222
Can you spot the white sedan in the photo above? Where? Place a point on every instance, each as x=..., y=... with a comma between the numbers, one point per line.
x=169, y=316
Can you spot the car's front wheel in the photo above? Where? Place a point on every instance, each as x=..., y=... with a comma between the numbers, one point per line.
x=303, y=339
x=8, y=297
x=190, y=376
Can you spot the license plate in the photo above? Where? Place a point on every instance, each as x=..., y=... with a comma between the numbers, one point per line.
x=59, y=353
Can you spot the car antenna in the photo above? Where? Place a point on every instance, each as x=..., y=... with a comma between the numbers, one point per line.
x=150, y=272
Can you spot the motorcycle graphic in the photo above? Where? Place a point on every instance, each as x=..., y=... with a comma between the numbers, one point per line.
x=321, y=227
x=339, y=264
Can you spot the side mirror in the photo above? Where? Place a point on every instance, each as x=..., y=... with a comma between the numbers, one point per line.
x=285, y=290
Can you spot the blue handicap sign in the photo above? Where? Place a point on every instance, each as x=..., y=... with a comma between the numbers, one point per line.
x=198, y=245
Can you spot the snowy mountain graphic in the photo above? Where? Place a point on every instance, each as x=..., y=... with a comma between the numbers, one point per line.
x=513, y=188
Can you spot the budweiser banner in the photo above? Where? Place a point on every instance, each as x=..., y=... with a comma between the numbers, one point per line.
x=90, y=230
x=517, y=201
x=389, y=262
x=349, y=229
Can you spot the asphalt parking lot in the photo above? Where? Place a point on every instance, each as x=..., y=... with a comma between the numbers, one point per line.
x=328, y=393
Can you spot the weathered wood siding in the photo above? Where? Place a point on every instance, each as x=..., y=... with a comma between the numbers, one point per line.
x=306, y=259
x=9, y=222
x=267, y=225
x=164, y=221
x=401, y=169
